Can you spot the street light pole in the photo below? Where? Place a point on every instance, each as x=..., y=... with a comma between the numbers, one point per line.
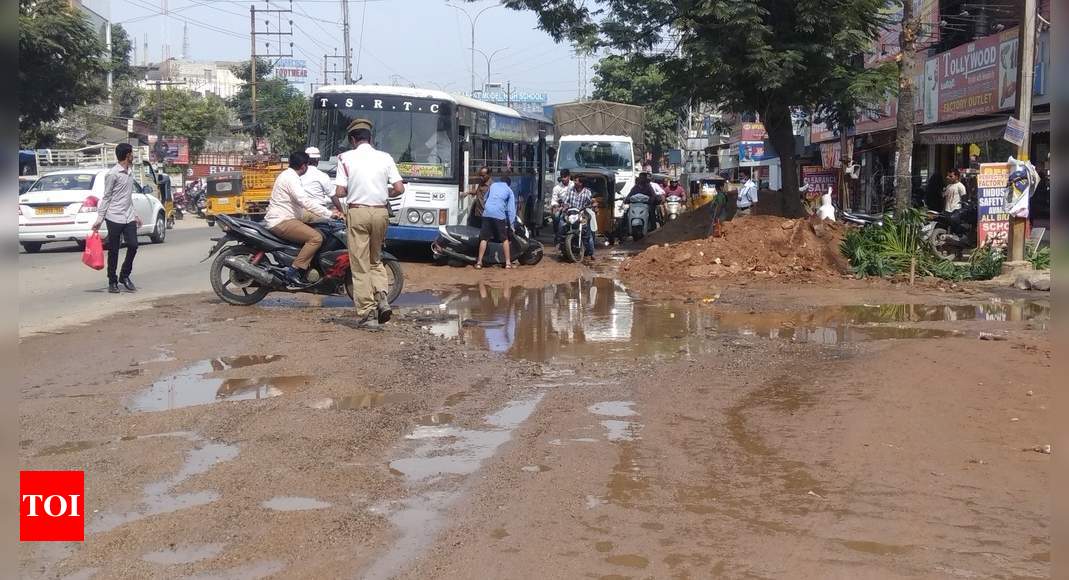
x=473, y=22
x=489, y=59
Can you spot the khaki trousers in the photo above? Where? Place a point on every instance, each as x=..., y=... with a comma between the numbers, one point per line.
x=298, y=231
x=367, y=234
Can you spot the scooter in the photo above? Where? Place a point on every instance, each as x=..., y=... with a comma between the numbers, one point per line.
x=952, y=233
x=673, y=203
x=636, y=220
x=250, y=263
x=459, y=245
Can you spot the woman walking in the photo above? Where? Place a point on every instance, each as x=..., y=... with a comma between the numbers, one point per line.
x=498, y=217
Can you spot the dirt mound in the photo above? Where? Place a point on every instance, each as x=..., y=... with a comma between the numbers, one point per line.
x=756, y=246
x=690, y=225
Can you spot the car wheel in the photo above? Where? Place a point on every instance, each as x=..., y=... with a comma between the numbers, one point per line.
x=159, y=232
x=32, y=247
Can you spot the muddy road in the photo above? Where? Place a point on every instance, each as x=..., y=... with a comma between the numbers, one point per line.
x=554, y=425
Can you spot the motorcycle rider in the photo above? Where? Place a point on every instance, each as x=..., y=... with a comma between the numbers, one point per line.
x=562, y=189
x=643, y=186
x=316, y=183
x=285, y=211
x=580, y=198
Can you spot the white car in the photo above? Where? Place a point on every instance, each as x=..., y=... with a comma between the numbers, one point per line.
x=62, y=207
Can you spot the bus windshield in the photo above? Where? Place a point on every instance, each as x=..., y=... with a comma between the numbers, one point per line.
x=595, y=154
x=421, y=143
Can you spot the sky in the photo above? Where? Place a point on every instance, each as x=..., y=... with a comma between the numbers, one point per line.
x=421, y=42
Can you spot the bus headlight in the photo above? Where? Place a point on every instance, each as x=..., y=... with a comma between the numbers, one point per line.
x=428, y=217
x=413, y=216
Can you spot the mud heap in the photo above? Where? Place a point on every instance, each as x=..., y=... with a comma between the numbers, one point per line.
x=756, y=246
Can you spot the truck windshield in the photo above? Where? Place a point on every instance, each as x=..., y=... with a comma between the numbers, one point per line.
x=421, y=143
x=595, y=154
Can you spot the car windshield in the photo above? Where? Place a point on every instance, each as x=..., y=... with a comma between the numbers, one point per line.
x=421, y=143
x=64, y=181
x=595, y=154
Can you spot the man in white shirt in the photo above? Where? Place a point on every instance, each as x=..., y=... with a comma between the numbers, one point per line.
x=367, y=178
x=289, y=202
x=560, y=192
x=316, y=183
x=953, y=192
x=747, y=195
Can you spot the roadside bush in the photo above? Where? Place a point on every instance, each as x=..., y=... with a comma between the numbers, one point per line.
x=890, y=249
x=1040, y=258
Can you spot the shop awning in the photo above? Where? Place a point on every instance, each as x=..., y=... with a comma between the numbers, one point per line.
x=977, y=131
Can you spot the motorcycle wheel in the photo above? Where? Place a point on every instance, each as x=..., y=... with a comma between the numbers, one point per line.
x=637, y=233
x=943, y=246
x=573, y=248
x=394, y=276
x=231, y=286
x=532, y=256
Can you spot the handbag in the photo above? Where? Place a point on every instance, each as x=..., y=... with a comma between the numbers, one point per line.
x=93, y=256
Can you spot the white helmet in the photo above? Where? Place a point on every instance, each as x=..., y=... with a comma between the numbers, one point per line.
x=312, y=152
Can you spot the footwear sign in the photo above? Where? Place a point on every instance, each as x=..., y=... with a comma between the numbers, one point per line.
x=51, y=506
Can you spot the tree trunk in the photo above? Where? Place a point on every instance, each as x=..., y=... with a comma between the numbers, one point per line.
x=781, y=136
x=904, y=136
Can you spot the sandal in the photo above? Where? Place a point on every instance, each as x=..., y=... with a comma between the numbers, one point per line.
x=508, y=266
x=478, y=266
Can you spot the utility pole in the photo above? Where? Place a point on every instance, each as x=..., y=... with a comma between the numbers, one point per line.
x=1026, y=59
x=346, y=50
x=254, y=56
x=907, y=44
x=332, y=71
x=508, y=95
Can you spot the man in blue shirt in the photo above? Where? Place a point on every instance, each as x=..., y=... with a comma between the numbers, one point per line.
x=498, y=217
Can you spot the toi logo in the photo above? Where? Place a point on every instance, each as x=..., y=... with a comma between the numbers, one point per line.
x=51, y=506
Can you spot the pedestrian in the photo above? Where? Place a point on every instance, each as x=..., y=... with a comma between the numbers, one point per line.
x=497, y=220
x=286, y=215
x=117, y=210
x=367, y=179
x=317, y=183
x=478, y=193
x=747, y=195
x=953, y=192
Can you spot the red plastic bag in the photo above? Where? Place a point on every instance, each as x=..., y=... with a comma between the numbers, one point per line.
x=93, y=256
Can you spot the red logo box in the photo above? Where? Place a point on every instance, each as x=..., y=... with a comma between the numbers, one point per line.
x=51, y=506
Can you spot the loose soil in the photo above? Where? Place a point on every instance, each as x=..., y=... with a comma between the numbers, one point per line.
x=562, y=432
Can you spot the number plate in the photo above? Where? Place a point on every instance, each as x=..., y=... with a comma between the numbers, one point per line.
x=48, y=210
x=222, y=200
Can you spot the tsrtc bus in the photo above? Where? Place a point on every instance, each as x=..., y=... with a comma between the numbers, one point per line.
x=439, y=141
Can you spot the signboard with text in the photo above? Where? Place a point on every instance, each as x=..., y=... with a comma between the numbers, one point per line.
x=293, y=70
x=993, y=221
x=173, y=150
x=819, y=179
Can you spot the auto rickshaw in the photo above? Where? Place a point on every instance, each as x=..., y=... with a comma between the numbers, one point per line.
x=223, y=192
x=162, y=183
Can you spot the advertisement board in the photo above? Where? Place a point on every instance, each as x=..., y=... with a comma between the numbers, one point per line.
x=294, y=70
x=173, y=150
x=993, y=221
x=819, y=179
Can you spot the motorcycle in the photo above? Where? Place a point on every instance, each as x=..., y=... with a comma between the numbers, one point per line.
x=952, y=233
x=673, y=203
x=250, y=263
x=637, y=220
x=861, y=219
x=181, y=200
x=575, y=224
x=460, y=244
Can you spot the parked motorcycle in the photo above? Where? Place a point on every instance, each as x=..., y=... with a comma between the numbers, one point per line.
x=250, y=263
x=575, y=225
x=673, y=203
x=952, y=233
x=460, y=245
x=861, y=219
x=637, y=220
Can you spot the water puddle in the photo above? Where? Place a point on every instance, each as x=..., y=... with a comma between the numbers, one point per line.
x=435, y=466
x=294, y=504
x=158, y=497
x=598, y=319
x=361, y=401
x=253, y=571
x=194, y=385
x=613, y=408
x=183, y=554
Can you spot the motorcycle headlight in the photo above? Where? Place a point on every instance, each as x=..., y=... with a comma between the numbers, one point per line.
x=413, y=216
x=572, y=218
x=428, y=217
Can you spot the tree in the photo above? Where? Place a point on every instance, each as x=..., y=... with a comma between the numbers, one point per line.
x=281, y=110
x=188, y=114
x=907, y=40
x=748, y=56
x=61, y=64
x=636, y=80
